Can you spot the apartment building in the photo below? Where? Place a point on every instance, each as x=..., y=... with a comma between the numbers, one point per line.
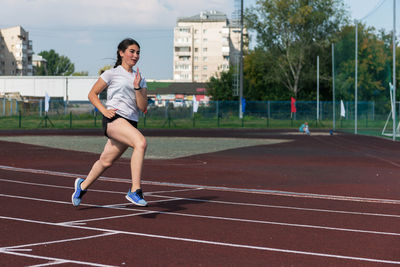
x=15, y=52
x=204, y=45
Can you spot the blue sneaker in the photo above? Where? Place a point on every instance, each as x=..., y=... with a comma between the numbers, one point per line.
x=78, y=193
x=136, y=197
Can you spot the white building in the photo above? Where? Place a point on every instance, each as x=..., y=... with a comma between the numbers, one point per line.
x=15, y=52
x=204, y=45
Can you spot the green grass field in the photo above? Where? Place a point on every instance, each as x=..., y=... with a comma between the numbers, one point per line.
x=87, y=121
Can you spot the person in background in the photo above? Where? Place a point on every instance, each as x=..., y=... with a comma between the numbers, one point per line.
x=126, y=95
x=304, y=128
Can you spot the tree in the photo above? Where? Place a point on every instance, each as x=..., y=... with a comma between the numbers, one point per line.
x=293, y=30
x=56, y=65
x=103, y=69
x=81, y=73
x=261, y=83
x=220, y=87
x=374, y=63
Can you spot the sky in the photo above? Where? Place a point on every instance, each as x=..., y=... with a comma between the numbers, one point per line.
x=88, y=31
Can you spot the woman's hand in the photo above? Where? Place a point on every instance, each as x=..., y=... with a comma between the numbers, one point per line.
x=110, y=113
x=138, y=79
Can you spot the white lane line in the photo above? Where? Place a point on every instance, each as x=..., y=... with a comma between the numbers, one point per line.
x=169, y=198
x=51, y=263
x=83, y=222
x=227, y=219
x=274, y=206
x=83, y=263
x=216, y=188
x=215, y=243
x=95, y=190
x=173, y=191
x=58, y=186
x=18, y=247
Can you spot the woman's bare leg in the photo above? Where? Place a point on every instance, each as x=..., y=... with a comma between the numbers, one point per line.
x=122, y=131
x=112, y=151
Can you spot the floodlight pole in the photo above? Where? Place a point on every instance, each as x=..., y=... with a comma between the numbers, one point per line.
x=241, y=62
x=333, y=87
x=317, y=89
x=355, y=80
x=394, y=71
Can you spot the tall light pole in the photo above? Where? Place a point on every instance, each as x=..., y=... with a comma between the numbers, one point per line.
x=333, y=88
x=317, y=89
x=356, y=80
x=241, y=62
x=394, y=71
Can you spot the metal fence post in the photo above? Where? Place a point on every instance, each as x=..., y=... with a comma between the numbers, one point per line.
x=20, y=119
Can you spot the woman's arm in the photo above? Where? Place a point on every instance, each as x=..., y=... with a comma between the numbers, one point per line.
x=93, y=96
x=141, y=99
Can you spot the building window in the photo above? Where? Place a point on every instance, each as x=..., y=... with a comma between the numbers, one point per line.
x=205, y=40
x=186, y=30
x=196, y=67
x=196, y=58
x=205, y=49
x=196, y=49
x=205, y=67
x=205, y=58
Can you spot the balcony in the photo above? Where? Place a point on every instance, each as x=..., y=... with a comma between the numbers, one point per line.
x=225, y=32
x=225, y=50
x=183, y=51
x=183, y=44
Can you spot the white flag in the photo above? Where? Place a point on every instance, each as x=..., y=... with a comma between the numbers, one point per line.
x=195, y=104
x=46, y=102
x=342, y=110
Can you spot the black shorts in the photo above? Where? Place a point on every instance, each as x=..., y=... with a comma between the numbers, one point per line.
x=107, y=120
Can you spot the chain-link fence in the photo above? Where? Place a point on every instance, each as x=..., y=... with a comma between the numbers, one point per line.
x=257, y=114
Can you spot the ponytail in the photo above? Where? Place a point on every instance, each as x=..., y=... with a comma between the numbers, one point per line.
x=119, y=60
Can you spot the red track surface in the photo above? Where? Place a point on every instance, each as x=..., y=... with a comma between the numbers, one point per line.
x=315, y=201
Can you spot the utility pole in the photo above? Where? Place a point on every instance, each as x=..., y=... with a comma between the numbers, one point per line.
x=241, y=62
x=394, y=71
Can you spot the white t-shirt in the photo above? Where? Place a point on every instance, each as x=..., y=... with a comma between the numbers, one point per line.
x=120, y=92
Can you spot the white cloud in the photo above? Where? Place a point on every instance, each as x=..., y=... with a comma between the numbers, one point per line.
x=123, y=13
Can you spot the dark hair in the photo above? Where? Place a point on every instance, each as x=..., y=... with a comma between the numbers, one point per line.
x=123, y=45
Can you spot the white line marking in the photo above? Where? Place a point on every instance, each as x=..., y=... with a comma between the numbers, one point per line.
x=58, y=186
x=152, y=194
x=17, y=248
x=48, y=264
x=217, y=188
x=172, y=191
x=213, y=201
x=57, y=259
x=276, y=206
x=225, y=219
x=168, y=200
x=83, y=222
x=217, y=243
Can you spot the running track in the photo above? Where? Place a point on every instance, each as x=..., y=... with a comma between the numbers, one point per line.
x=315, y=201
